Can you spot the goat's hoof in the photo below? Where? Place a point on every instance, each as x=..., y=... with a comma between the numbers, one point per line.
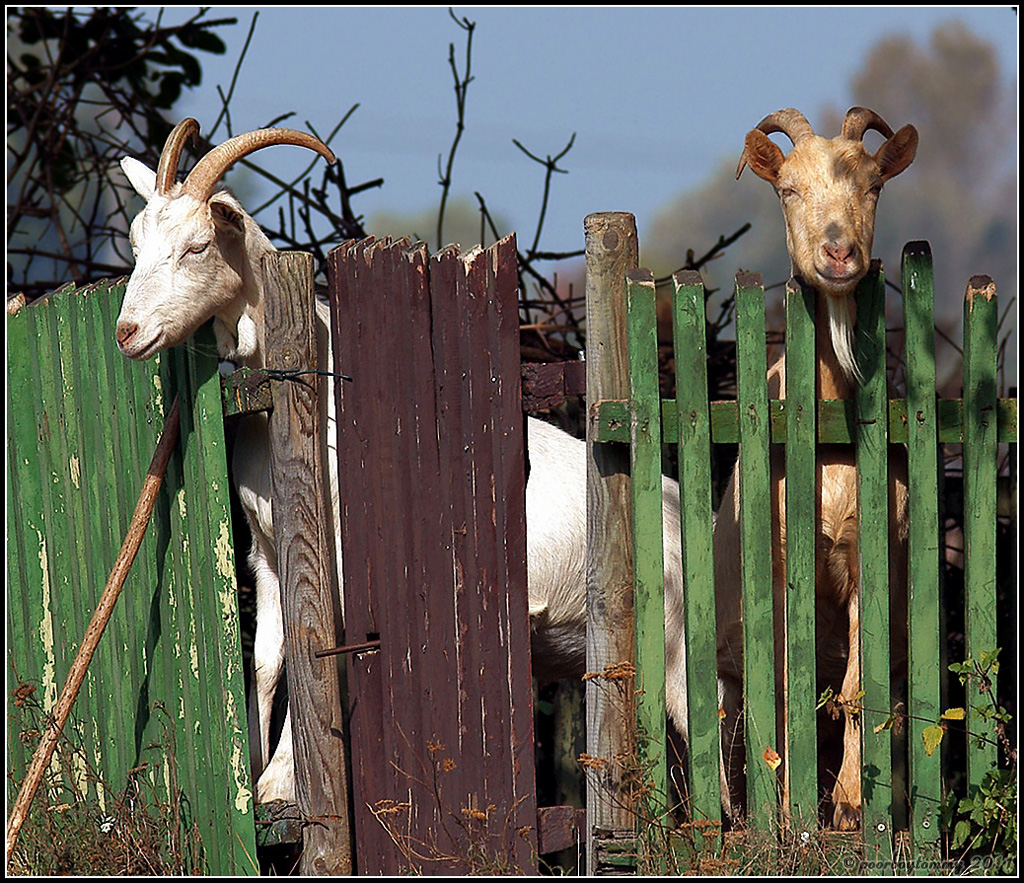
x=846, y=817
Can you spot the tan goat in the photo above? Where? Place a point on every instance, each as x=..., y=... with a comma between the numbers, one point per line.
x=829, y=191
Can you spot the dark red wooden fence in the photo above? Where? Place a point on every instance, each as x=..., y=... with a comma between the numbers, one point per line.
x=432, y=482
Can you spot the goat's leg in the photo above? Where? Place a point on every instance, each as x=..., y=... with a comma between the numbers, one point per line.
x=846, y=796
x=268, y=647
x=277, y=782
x=732, y=769
x=278, y=779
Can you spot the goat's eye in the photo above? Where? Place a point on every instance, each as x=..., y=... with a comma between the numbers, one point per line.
x=197, y=248
x=787, y=193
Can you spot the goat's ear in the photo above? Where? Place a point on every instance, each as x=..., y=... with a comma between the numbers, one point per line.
x=140, y=176
x=897, y=153
x=764, y=156
x=226, y=213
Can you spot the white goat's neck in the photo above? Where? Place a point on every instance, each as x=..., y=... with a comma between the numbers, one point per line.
x=240, y=328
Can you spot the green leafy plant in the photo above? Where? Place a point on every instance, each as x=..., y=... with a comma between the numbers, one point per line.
x=983, y=824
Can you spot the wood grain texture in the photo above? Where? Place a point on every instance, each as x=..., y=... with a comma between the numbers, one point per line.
x=431, y=471
x=611, y=251
x=308, y=596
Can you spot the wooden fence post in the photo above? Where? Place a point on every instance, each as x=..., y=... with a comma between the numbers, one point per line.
x=611, y=251
x=308, y=595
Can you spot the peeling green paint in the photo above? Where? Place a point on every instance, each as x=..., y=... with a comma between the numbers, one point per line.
x=224, y=558
x=156, y=688
x=46, y=630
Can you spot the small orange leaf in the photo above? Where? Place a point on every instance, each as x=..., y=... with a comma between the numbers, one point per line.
x=771, y=757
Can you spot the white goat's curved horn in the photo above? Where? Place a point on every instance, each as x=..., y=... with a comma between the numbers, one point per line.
x=790, y=122
x=209, y=170
x=859, y=119
x=167, y=169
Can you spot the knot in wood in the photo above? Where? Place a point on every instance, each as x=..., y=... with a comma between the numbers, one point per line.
x=289, y=358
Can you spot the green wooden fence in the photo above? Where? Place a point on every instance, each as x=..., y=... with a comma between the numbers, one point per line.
x=165, y=689
x=874, y=423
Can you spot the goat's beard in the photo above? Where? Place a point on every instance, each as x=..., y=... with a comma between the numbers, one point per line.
x=841, y=318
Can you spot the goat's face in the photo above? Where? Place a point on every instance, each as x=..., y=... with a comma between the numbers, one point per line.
x=197, y=253
x=190, y=265
x=829, y=190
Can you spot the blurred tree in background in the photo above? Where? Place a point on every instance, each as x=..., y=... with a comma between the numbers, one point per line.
x=83, y=90
x=86, y=87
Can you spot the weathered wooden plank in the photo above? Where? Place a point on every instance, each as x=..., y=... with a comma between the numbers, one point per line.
x=308, y=594
x=494, y=275
x=352, y=280
x=873, y=538
x=756, y=551
x=611, y=251
x=689, y=331
x=434, y=556
x=476, y=351
x=547, y=384
x=559, y=827
x=648, y=553
x=980, y=506
x=924, y=543
x=166, y=676
x=800, y=765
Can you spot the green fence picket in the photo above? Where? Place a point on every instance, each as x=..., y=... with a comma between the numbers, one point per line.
x=980, y=473
x=693, y=419
x=648, y=561
x=756, y=550
x=873, y=538
x=925, y=791
x=801, y=764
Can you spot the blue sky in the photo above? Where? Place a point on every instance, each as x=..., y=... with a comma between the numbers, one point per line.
x=658, y=97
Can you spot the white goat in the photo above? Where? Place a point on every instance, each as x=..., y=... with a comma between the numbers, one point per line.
x=829, y=191
x=198, y=257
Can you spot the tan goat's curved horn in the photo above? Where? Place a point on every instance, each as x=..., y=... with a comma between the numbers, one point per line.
x=167, y=169
x=790, y=122
x=209, y=170
x=859, y=119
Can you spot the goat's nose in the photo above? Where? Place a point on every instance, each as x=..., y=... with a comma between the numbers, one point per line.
x=839, y=252
x=125, y=332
